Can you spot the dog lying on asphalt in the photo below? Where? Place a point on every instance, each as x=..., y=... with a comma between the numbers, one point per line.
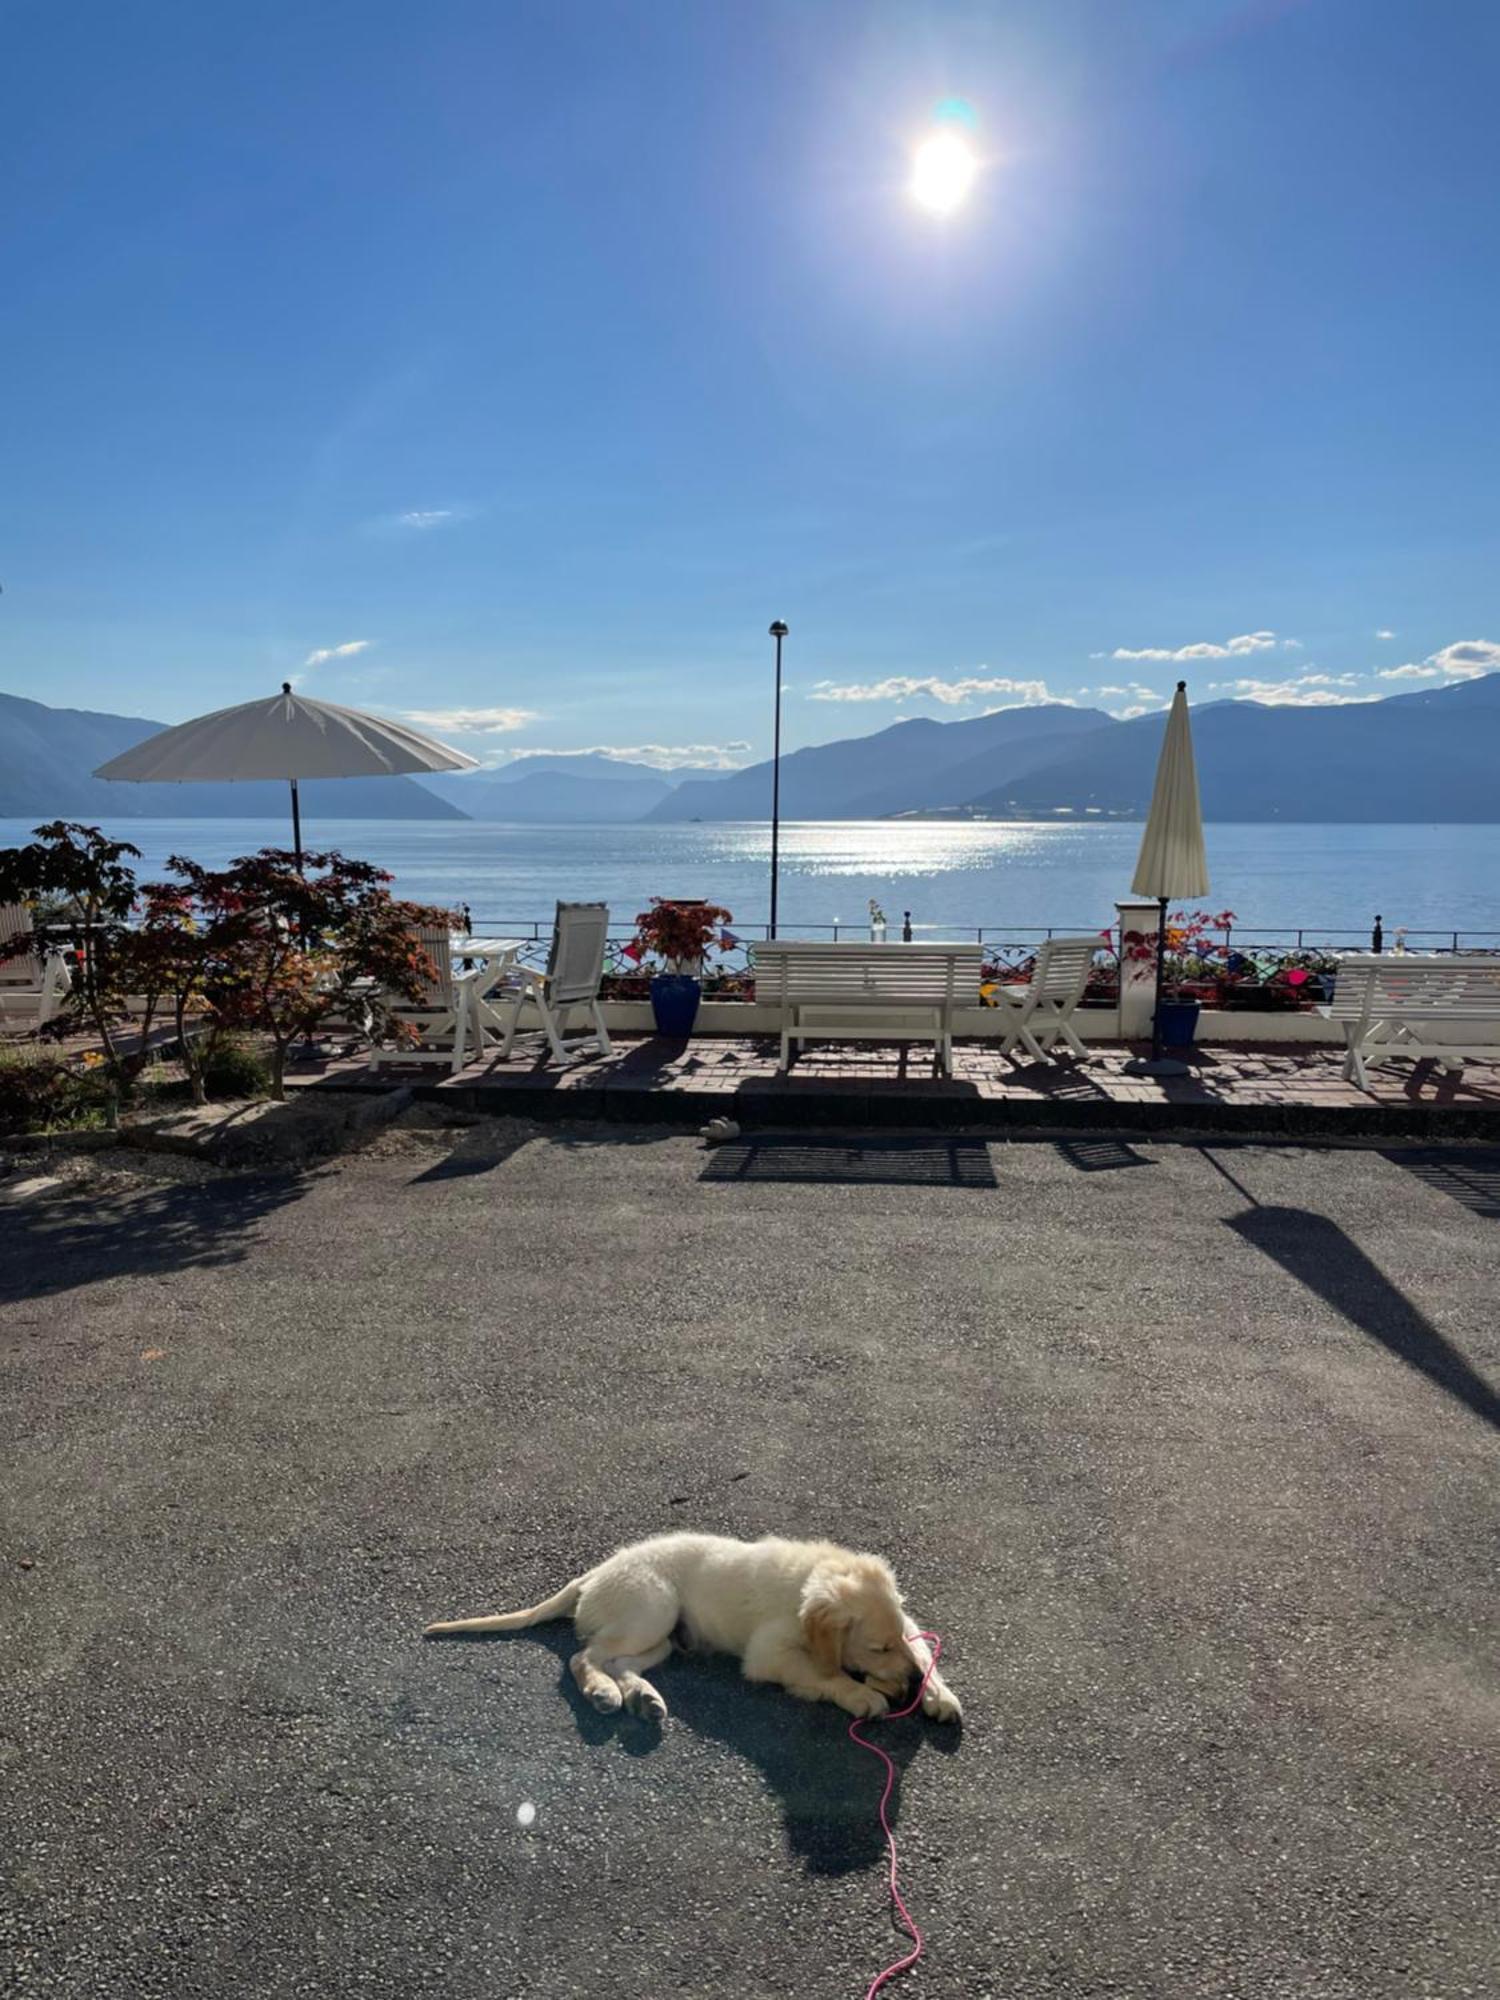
x=806, y=1615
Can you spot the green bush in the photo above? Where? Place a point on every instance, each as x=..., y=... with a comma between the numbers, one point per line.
x=234, y=1067
x=39, y=1092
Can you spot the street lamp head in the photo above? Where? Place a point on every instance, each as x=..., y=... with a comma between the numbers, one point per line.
x=778, y=630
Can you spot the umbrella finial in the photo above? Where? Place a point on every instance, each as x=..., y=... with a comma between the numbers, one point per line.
x=1181, y=687
x=286, y=687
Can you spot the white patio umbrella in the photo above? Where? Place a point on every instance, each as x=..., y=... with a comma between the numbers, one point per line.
x=1172, y=861
x=286, y=737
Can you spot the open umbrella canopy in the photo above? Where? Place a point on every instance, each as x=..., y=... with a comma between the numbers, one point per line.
x=285, y=737
x=1172, y=862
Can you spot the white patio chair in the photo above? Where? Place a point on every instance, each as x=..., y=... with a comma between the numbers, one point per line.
x=33, y=985
x=440, y=1018
x=1044, y=1008
x=575, y=966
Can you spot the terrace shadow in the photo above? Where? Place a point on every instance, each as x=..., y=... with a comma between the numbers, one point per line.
x=481, y=1149
x=866, y=1162
x=1100, y=1156
x=1321, y=1256
x=58, y=1243
x=828, y=1789
x=1471, y=1178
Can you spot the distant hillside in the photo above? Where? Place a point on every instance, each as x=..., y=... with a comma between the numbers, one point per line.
x=556, y=790
x=550, y=797
x=48, y=755
x=908, y=767
x=1428, y=757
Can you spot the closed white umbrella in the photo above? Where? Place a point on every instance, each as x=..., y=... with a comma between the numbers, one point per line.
x=286, y=737
x=1172, y=861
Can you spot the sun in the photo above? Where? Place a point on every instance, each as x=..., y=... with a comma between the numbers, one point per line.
x=943, y=170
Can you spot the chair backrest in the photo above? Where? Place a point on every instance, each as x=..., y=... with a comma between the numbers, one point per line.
x=1062, y=969
x=437, y=942
x=17, y=968
x=794, y=971
x=575, y=964
x=1368, y=987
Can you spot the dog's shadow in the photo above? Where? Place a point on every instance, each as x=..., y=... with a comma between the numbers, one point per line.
x=829, y=1790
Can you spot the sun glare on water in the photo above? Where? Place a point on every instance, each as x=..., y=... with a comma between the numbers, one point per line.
x=943, y=170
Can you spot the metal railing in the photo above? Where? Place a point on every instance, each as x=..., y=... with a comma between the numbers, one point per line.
x=1246, y=938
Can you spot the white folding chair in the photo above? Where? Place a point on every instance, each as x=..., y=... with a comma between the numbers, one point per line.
x=575, y=966
x=33, y=985
x=1044, y=1009
x=440, y=1018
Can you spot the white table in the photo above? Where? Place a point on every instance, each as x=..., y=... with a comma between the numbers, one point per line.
x=475, y=989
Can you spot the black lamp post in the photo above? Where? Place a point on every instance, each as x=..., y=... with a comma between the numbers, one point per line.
x=778, y=633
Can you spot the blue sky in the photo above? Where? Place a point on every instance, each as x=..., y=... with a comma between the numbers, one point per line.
x=514, y=365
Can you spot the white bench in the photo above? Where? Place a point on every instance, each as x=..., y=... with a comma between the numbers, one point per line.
x=1389, y=1005
x=867, y=992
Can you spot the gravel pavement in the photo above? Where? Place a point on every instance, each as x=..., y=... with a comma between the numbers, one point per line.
x=1189, y=1452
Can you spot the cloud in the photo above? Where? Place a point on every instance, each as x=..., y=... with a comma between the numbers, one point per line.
x=1464, y=660
x=471, y=721
x=661, y=756
x=417, y=521
x=904, y=687
x=345, y=652
x=1384, y=633
x=1141, y=700
x=1312, y=690
x=1203, y=649
x=1467, y=659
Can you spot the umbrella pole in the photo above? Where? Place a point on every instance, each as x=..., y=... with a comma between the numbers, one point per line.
x=296, y=825
x=1161, y=962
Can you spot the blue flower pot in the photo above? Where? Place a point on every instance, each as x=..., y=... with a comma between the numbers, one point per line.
x=674, y=1002
x=1179, y=1023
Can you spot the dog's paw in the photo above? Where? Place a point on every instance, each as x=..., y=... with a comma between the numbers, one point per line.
x=605, y=1697
x=647, y=1704
x=942, y=1704
x=864, y=1701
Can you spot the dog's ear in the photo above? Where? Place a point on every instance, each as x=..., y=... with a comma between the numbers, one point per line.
x=825, y=1617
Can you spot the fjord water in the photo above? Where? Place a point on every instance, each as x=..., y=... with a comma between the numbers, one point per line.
x=952, y=877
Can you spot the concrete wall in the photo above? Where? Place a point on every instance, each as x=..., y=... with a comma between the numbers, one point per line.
x=1094, y=1024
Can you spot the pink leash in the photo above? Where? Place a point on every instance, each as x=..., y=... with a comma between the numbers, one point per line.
x=894, y=1715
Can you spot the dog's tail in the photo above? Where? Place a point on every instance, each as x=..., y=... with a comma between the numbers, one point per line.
x=557, y=1606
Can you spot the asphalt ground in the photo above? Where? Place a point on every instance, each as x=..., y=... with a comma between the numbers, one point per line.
x=1189, y=1452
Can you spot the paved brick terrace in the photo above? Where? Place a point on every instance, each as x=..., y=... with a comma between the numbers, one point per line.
x=1229, y=1087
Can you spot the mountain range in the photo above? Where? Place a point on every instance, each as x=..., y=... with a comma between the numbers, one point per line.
x=910, y=767
x=1427, y=757
x=1431, y=757
x=582, y=789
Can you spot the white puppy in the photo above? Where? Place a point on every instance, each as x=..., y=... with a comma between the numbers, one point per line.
x=807, y=1615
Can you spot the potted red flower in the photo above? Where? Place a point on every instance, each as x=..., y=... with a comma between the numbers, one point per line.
x=680, y=933
x=1191, y=968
